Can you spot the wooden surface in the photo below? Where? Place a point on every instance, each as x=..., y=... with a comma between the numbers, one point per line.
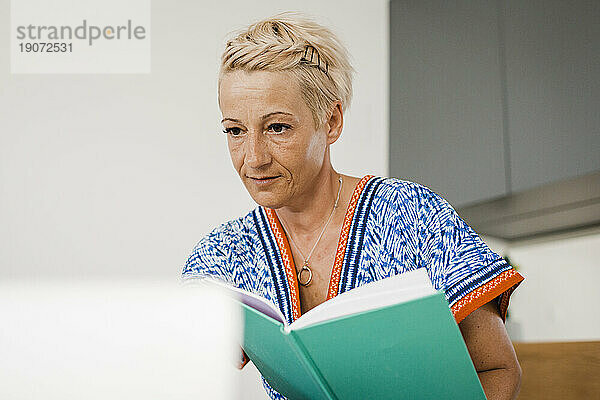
x=561, y=371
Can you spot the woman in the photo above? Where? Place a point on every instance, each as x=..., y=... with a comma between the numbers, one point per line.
x=284, y=86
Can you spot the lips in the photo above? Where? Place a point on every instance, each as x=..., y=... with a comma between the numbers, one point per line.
x=263, y=178
x=263, y=181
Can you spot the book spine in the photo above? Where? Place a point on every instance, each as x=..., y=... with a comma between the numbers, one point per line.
x=310, y=365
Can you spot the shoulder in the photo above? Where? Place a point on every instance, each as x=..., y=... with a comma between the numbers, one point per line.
x=229, y=232
x=404, y=190
x=410, y=215
x=411, y=199
x=214, y=251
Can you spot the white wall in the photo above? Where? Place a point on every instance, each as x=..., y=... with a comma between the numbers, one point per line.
x=115, y=175
x=558, y=300
x=122, y=174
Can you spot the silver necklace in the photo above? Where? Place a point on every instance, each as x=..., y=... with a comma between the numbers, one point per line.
x=305, y=266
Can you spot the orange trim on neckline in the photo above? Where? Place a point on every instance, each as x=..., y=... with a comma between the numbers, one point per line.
x=336, y=271
x=504, y=284
x=288, y=259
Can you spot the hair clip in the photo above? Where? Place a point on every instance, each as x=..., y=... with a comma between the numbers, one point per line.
x=311, y=62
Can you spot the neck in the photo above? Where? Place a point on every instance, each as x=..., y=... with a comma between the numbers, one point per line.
x=310, y=211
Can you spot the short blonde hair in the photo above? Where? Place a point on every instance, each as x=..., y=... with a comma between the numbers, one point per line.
x=286, y=42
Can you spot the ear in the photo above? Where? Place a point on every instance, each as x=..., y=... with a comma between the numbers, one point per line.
x=335, y=122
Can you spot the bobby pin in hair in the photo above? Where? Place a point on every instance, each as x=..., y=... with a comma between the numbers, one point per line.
x=311, y=62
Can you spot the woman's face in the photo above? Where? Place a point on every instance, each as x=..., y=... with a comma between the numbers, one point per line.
x=271, y=136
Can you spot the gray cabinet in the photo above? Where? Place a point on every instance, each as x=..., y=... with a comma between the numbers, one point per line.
x=488, y=98
x=553, y=89
x=446, y=128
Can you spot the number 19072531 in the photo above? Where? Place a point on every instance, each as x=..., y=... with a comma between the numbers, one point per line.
x=44, y=47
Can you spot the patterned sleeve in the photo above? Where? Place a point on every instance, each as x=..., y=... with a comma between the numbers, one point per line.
x=469, y=272
x=209, y=257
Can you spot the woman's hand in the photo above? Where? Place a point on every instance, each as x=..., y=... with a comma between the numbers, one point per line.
x=492, y=352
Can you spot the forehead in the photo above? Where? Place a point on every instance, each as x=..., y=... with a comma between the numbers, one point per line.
x=259, y=89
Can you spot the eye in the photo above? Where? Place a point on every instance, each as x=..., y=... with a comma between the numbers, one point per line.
x=279, y=128
x=235, y=132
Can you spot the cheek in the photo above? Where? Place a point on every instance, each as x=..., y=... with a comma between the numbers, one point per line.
x=315, y=149
x=302, y=157
x=236, y=155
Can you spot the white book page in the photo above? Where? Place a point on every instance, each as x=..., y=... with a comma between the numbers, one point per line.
x=255, y=301
x=385, y=292
x=382, y=293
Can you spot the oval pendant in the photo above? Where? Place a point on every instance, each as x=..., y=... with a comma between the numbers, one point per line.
x=305, y=268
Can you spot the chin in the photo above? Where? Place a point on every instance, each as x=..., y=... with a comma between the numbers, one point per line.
x=268, y=200
x=271, y=197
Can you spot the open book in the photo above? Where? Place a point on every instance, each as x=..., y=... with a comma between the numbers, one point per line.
x=389, y=339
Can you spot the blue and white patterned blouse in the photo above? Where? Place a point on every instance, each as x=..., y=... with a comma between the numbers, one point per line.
x=391, y=226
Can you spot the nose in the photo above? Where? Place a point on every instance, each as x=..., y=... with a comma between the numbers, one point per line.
x=256, y=150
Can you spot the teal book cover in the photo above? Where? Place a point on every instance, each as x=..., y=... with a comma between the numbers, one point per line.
x=391, y=339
